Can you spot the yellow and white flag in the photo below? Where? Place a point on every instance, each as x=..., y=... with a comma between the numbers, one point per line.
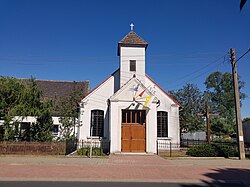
x=148, y=101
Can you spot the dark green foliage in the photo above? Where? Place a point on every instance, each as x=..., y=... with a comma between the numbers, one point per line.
x=86, y=151
x=221, y=101
x=41, y=130
x=223, y=141
x=213, y=150
x=218, y=126
x=19, y=99
x=192, y=101
x=204, y=150
x=67, y=109
x=11, y=91
x=220, y=96
x=246, y=119
x=225, y=150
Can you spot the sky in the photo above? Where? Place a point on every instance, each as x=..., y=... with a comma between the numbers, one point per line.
x=76, y=40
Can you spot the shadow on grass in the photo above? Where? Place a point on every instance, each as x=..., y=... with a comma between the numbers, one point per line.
x=233, y=177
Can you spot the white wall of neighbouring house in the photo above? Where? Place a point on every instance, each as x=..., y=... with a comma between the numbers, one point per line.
x=56, y=122
x=32, y=119
x=132, y=53
x=26, y=119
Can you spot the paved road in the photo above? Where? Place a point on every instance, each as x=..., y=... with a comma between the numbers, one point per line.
x=115, y=184
x=124, y=168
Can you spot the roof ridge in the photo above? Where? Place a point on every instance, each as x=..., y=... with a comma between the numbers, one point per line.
x=53, y=80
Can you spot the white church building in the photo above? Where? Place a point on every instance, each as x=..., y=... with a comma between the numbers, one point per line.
x=128, y=109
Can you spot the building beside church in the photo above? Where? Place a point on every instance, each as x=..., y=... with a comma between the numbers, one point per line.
x=128, y=109
x=246, y=131
x=57, y=91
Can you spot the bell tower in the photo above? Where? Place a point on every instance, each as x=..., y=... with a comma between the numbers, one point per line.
x=132, y=50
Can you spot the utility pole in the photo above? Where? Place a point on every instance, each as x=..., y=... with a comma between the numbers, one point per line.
x=240, y=139
x=207, y=116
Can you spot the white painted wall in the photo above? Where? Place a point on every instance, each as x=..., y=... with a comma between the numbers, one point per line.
x=32, y=119
x=115, y=126
x=167, y=105
x=132, y=53
x=151, y=130
x=27, y=119
x=122, y=100
x=56, y=121
x=97, y=100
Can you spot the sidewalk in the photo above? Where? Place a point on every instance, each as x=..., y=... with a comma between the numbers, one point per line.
x=123, y=168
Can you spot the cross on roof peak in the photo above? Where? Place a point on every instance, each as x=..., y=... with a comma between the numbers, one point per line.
x=132, y=26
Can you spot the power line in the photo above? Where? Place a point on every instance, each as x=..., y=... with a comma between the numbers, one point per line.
x=114, y=56
x=213, y=63
x=104, y=59
x=199, y=75
x=243, y=55
x=202, y=68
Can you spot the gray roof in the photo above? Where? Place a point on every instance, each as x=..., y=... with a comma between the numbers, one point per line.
x=54, y=89
x=58, y=90
x=132, y=40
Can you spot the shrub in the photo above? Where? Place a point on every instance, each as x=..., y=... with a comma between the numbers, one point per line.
x=226, y=150
x=212, y=150
x=86, y=151
x=221, y=140
x=204, y=150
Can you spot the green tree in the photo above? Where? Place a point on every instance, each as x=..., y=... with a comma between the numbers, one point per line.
x=246, y=119
x=192, y=101
x=221, y=95
x=34, y=105
x=68, y=111
x=11, y=91
x=19, y=99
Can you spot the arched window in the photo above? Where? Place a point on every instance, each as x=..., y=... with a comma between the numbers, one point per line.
x=97, y=122
x=162, y=124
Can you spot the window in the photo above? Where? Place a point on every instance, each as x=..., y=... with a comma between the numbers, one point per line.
x=162, y=124
x=134, y=116
x=97, y=122
x=132, y=65
x=24, y=132
x=55, y=129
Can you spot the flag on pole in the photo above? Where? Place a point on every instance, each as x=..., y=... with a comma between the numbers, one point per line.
x=148, y=101
x=134, y=89
x=142, y=92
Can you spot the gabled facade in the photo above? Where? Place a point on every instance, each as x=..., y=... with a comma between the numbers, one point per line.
x=129, y=109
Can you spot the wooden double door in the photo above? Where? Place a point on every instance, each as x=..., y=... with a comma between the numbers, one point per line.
x=133, y=131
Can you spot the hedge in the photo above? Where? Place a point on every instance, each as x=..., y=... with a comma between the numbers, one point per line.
x=212, y=150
